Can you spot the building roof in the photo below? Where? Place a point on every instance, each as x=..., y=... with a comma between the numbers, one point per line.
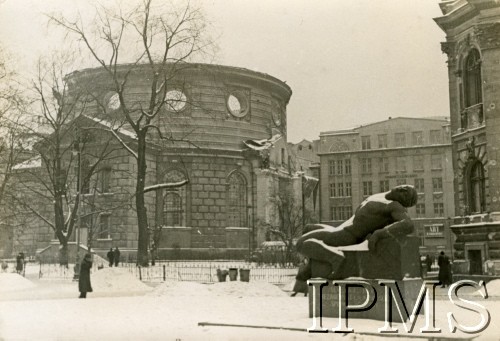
x=353, y=131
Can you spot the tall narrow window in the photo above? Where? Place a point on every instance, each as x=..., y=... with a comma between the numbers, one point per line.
x=384, y=185
x=366, y=142
x=347, y=166
x=331, y=167
x=85, y=176
x=104, y=226
x=340, y=189
x=472, y=79
x=383, y=165
x=333, y=190
x=367, y=188
x=340, y=167
x=419, y=185
x=476, y=188
x=173, y=209
x=366, y=166
x=437, y=185
x=236, y=201
x=105, y=179
x=174, y=201
x=348, y=190
x=420, y=210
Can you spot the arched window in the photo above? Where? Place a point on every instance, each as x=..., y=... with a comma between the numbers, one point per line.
x=236, y=201
x=476, y=197
x=174, y=201
x=472, y=79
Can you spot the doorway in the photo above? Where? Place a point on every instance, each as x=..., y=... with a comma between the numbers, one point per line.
x=475, y=261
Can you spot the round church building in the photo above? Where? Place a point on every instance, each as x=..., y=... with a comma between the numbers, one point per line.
x=223, y=129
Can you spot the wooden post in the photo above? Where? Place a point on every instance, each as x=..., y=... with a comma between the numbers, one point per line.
x=164, y=275
x=140, y=275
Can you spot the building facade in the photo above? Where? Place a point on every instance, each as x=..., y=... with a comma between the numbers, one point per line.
x=356, y=163
x=229, y=141
x=473, y=48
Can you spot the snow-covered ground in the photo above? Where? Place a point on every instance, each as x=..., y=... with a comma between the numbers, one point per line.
x=122, y=308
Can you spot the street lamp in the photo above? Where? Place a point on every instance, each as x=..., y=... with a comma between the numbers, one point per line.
x=77, y=151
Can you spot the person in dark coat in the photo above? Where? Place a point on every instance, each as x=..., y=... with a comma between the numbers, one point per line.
x=117, y=256
x=444, y=274
x=19, y=262
x=84, y=285
x=111, y=257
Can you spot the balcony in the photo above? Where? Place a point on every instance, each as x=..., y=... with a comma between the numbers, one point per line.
x=472, y=117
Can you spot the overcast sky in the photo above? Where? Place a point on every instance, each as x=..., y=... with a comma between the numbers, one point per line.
x=347, y=62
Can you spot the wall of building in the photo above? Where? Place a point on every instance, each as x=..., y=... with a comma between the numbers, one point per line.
x=366, y=169
x=474, y=26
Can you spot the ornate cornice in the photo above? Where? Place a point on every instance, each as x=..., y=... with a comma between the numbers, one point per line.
x=448, y=47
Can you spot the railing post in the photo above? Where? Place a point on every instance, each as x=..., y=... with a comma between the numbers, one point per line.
x=164, y=275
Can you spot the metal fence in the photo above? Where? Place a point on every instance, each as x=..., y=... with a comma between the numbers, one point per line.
x=199, y=271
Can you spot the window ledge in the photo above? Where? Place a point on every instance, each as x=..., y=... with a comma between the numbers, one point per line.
x=104, y=239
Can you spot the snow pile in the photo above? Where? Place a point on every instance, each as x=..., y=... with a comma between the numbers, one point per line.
x=246, y=289
x=14, y=282
x=238, y=289
x=116, y=279
x=175, y=288
x=493, y=287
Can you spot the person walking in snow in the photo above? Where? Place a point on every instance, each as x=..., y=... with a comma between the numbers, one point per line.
x=84, y=285
x=19, y=262
x=117, y=256
x=111, y=257
x=444, y=274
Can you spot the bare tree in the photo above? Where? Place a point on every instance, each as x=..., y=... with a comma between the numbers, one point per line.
x=11, y=120
x=62, y=143
x=161, y=38
x=287, y=220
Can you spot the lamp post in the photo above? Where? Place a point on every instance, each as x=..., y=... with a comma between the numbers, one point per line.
x=78, y=152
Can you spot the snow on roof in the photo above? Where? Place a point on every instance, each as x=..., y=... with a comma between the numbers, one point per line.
x=262, y=144
x=112, y=126
x=35, y=162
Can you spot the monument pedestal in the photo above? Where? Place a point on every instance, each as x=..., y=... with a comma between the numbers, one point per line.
x=397, y=260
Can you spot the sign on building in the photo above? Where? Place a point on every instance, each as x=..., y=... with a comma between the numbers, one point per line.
x=434, y=230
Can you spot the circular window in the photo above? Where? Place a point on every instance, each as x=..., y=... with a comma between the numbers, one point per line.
x=237, y=104
x=277, y=111
x=113, y=102
x=175, y=100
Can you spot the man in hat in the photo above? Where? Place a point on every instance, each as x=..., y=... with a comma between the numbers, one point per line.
x=84, y=285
